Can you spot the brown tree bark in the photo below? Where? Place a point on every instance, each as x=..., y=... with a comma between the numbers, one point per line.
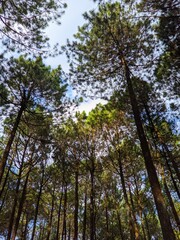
x=166, y=227
x=176, y=217
x=120, y=226
x=10, y=140
x=6, y=178
x=59, y=216
x=165, y=153
x=51, y=216
x=92, y=203
x=107, y=222
x=76, y=206
x=85, y=217
x=37, y=204
x=20, y=209
x=23, y=198
x=12, y=218
x=137, y=234
x=64, y=228
x=132, y=226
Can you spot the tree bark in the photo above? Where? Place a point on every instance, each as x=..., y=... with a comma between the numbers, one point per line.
x=37, y=204
x=51, y=216
x=171, y=204
x=13, y=213
x=134, y=215
x=76, y=206
x=6, y=178
x=165, y=152
x=59, y=216
x=10, y=141
x=64, y=228
x=166, y=227
x=21, y=204
x=120, y=226
x=84, y=216
x=132, y=227
x=92, y=204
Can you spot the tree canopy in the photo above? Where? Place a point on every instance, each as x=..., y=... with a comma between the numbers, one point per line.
x=112, y=173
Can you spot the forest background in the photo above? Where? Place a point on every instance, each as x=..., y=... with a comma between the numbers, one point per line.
x=113, y=172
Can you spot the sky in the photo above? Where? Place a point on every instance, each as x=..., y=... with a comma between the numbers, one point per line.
x=70, y=21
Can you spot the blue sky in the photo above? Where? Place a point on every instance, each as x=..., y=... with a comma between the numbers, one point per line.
x=70, y=21
x=60, y=33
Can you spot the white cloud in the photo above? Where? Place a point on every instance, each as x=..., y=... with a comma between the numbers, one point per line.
x=89, y=105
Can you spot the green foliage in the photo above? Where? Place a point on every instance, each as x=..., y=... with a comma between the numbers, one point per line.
x=22, y=23
x=87, y=171
x=32, y=83
x=100, y=43
x=3, y=94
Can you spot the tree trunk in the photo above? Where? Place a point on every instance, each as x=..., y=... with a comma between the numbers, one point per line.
x=37, y=205
x=64, y=229
x=69, y=232
x=139, y=204
x=10, y=141
x=76, y=206
x=171, y=204
x=120, y=226
x=176, y=169
x=131, y=222
x=84, y=216
x=23, y=197
x=59, y=216
x=12, y=218
x=25, y=231
x=147, y=227
x=51, y=216
x=14, y=207
x=134, y=215
x=6, y=178
x=166, y=154
x=107, y=223
x=152, y=175
x=92, y=204
x=172, y=177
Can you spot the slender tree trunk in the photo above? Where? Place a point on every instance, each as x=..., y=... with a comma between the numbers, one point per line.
x=107, y=223
x=10, y=141
x=12, y=218
x=120, y=226
x=37, y=204
x=4, y=197
x=172, y=177
x=92, y=204
x=153, y=179
x=84, y=216
x=14, y=207
x=21, y=204
x=76, y=206
x=6, y=178
x=166, y=154
x=69, y=232
x=51, y=216
x=147, y=227
x=176, y=169
x=171, y=204
x=131, y=222
x=134, y=215
x=140, y=207
x=59, y=216
x=64, y=229
x=42, y=231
